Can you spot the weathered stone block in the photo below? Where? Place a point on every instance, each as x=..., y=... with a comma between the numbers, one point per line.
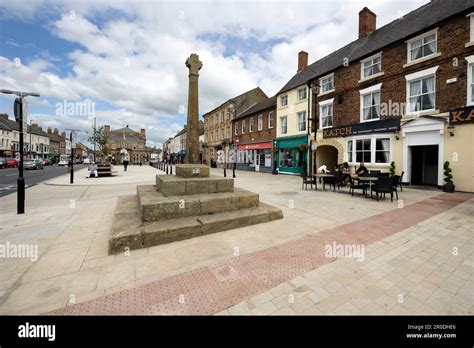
x=192, y=171
x=225, y=185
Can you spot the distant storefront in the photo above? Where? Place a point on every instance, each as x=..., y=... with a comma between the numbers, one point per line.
x=255, y=157
x=291, y=154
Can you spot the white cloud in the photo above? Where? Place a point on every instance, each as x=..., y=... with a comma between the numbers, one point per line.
x=137, y=64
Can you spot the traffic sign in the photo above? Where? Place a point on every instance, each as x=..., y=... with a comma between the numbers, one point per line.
x=73, y=139
x=25, y=116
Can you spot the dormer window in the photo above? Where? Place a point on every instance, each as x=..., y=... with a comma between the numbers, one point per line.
x=422, y=46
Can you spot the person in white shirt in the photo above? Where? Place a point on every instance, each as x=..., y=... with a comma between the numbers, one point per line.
x=92, y=169
x=323, y=169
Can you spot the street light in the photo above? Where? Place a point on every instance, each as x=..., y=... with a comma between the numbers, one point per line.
x=72, y=140
x=18, y=107
x=315, y=89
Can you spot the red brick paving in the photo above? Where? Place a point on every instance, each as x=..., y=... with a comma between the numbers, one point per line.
x=211, y=289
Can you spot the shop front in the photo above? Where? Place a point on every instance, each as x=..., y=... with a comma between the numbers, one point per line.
x=255, y=157
x=291, y=155
x=374, y=143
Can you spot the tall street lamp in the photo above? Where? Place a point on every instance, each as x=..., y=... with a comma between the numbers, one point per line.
x=72, y=140
x=314, y=90
x=20, y=111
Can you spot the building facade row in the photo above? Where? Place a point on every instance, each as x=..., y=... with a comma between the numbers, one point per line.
x=402, y=93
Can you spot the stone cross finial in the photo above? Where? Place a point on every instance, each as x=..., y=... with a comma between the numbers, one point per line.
x=193, y=64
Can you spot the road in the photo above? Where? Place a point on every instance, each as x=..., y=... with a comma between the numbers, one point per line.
x=8, y=177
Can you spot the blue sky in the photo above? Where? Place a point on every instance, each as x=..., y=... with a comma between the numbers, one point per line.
x=127, y=57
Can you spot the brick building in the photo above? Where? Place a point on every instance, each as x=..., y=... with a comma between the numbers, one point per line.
x=132, y=141
x=390, y=95
x=218, y=122
x=254, y=132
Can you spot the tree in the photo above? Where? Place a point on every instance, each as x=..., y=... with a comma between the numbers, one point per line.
x=392, y=168
x=101, y=140
x=448, y=178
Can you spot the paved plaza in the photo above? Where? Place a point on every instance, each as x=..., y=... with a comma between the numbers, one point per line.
x=416, y=256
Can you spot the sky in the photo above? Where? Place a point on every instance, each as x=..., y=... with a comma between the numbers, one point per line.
x=123, y=62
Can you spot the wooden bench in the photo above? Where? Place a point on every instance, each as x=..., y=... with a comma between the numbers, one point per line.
x=104, y=170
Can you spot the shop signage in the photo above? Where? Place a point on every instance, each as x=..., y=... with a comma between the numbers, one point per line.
x=255, y=146
x=460, y=116
x=382, y=126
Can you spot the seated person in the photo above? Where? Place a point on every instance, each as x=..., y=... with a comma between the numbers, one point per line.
x=346, y=173
x=362, y=170
x=323, y=169
x=92, y=169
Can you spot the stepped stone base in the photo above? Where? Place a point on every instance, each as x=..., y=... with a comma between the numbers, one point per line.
x=170, y=185
x=154, y=206
x=128, y=230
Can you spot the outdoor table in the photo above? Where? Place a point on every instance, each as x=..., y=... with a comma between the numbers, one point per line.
x=321, y=175
x=370, y=179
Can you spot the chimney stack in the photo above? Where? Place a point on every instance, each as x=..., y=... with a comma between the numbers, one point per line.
x=49, y=130
x=367, y=22
x=107, y=130
x=142, y=133
x=63, y=134
x=4, y=117
x=302, y=60
x=56, y=131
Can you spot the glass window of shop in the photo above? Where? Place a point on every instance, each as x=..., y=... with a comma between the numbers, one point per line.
x=290, y=158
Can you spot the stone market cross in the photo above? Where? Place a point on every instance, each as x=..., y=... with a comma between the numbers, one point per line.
x=192, y=139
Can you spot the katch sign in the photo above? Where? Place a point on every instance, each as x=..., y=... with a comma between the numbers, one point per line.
x=382, y=126
x=460, y=116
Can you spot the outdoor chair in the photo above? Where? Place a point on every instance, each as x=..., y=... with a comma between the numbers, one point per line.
x=384, y=185
x=400, y=181
x=395, y=183
x=336, y=180
x=307, y=180
x=357, y=185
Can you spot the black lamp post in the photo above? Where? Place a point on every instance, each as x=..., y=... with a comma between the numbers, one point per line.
x=315, y=89
x=18, y=108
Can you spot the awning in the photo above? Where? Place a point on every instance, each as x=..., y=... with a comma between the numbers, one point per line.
x=291, y=142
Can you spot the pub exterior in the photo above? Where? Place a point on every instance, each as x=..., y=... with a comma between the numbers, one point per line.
x=402, y=93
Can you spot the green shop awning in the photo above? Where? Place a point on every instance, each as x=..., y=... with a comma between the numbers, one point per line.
x=291, y=142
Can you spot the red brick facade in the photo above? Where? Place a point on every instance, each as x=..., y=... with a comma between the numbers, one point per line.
x=266, y=134
x=451, y=40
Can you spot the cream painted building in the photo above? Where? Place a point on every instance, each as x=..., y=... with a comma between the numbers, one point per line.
x=292, y=113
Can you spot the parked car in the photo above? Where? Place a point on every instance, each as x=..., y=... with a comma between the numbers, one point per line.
x=87, y=161
x=12, y=163
x=3, y=162
x=33, y=164
x=47, y=162
x=62, y=163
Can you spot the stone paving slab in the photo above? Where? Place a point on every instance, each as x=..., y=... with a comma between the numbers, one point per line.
x=215, y=288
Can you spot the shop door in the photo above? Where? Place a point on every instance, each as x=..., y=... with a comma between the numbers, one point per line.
x=424, y=165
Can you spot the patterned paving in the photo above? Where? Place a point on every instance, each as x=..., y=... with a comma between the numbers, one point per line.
x=211, y=289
